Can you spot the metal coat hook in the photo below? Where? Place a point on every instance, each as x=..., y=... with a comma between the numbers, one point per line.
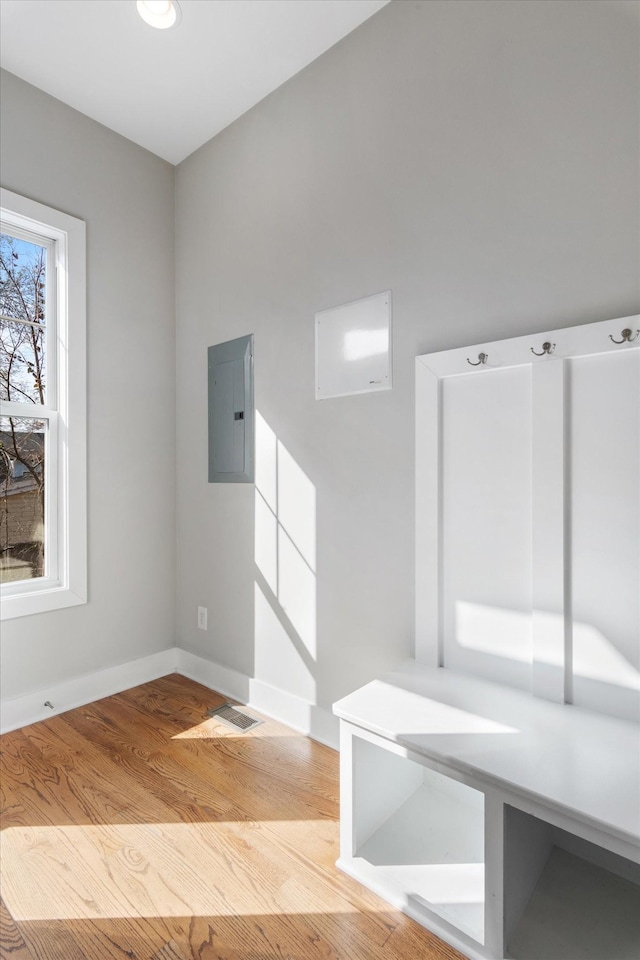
x=626, y=335
x=547, y=347
x=482, y=358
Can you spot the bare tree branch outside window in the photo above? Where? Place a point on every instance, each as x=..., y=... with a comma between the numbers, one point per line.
x=22, y=380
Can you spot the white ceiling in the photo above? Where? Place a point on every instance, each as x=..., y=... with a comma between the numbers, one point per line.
x=169, y=90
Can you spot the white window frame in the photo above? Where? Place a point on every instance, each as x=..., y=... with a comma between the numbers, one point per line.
x=65, y=580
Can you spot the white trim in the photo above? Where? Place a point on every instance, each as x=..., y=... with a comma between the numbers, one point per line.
x=66, y=525
x=428, y=517
x=29, y=708
x=297, y=713
x=314, y=721
x=550, y=553
x=551, y=500
x=368, y=875
x=31, y=411
x=223, y=680
x=516, y=351
x=301, y=715
x=26, y=323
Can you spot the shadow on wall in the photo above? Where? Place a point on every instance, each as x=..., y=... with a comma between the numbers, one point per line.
x=285, y=559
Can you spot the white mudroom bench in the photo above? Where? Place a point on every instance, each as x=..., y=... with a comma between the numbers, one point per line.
x=508, y=825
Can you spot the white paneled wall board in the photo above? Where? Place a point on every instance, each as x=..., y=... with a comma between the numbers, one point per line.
x=486, y=520
x=605, y=529
x=528, y=513
x=491, y=787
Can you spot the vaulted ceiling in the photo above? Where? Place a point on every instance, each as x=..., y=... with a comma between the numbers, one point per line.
x=169, y=90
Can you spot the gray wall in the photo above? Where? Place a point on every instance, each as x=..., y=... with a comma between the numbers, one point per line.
x=57, y=156
x=478, y=158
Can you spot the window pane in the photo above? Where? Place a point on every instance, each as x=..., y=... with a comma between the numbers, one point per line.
x=22, y=477
x=23, y=267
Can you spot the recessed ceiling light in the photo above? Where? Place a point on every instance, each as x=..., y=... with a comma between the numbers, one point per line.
x=159, y=13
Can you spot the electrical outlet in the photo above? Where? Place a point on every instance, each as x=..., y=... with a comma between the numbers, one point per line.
x=202, y=618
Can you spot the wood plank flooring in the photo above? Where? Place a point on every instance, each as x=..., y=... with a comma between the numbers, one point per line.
x=137, y=828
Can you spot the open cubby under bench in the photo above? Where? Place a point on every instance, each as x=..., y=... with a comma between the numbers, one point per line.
x=506, y=824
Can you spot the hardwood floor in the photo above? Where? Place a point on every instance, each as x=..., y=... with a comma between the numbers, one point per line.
x=134, y=828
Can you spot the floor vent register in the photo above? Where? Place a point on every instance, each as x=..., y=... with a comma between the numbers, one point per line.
x=234, y=718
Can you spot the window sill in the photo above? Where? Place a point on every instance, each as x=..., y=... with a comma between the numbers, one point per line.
x=47, y=597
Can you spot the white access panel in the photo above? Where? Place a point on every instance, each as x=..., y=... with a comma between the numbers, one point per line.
x=353, y=347
x=528, y=513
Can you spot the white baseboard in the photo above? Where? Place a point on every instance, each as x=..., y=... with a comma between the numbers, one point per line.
x=313, y=721
x=224, y=680
x=29, y=708
x=287, y=708
x=316, y=722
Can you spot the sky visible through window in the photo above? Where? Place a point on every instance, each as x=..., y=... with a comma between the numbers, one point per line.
x=22, y=328
x=23, y=266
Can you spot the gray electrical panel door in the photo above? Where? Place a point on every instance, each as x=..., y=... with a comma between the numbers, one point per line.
x=231, y=411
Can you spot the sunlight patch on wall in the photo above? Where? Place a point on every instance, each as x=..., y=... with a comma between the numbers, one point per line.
x=297, y=505
x=266, y=462
x=266, y=542
x=504, y=633
x=278, y=660
x=494, y=630
x=595, y=658
x=297, y=591
x=285, y=534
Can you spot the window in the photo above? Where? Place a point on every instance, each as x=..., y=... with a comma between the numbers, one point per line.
x=42, y=408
